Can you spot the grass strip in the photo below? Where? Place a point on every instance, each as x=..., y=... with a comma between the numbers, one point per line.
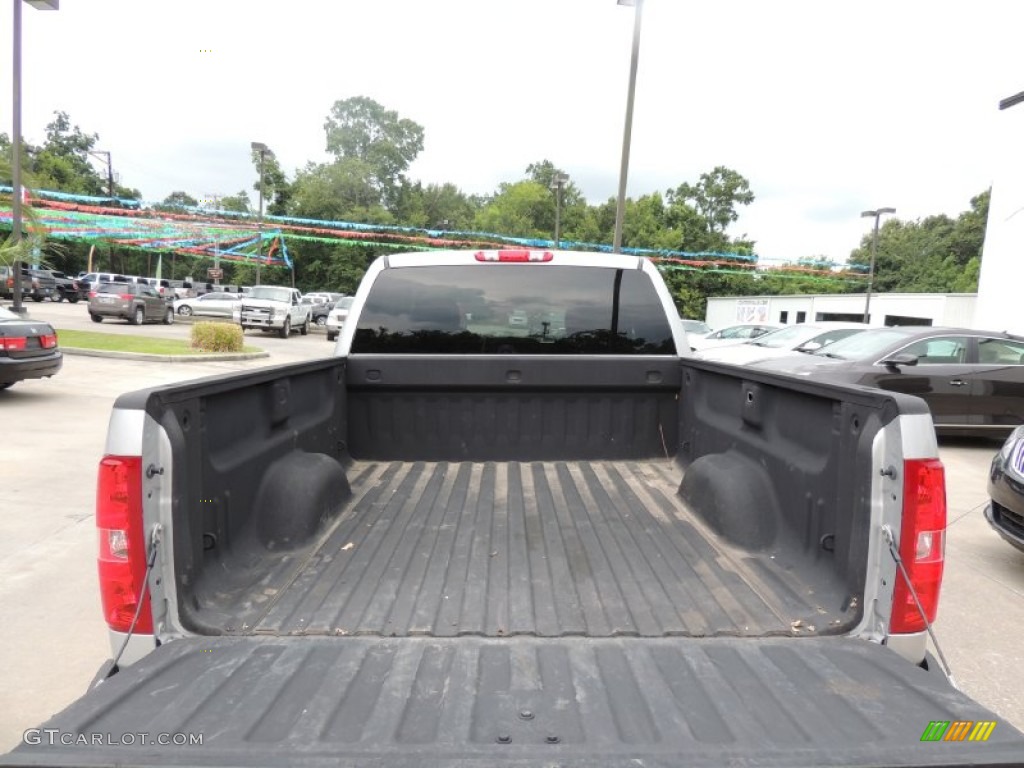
x=111, y=342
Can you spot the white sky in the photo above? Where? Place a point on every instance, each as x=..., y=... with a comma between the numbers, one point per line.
x=827, y=107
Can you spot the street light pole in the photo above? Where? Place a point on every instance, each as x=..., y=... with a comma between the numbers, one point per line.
x=877, y=214
x=259, y=146
x=620, y=203
x=105, y=157
x=216, y=239
x=558, y=182
x=42, y=5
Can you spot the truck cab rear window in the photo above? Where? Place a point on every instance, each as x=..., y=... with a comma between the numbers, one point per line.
x=513, y=309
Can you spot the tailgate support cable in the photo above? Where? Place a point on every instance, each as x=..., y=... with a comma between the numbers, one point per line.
x=155, y=537
x=913, y=593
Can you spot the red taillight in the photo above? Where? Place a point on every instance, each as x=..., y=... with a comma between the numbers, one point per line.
x=122, y=552
x=49, y=341
x=922, y=544
x=514, y=256
x=13, y=343
x=92, y=294
x=125, y=296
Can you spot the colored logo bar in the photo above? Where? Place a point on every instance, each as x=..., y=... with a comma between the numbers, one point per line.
x=958, y=730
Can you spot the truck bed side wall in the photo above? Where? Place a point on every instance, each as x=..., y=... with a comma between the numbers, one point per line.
x=797, y=454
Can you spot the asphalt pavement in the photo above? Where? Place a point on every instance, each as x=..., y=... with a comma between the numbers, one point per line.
x=52, y=635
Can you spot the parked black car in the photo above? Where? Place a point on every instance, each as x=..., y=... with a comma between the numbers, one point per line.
x=67, y=287
x=973, y=381
x=1005, y=513
x=28, y=349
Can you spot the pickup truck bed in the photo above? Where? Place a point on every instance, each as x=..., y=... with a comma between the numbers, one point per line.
x=569, y=548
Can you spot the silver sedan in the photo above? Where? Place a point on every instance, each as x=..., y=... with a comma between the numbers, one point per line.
x=218, y=303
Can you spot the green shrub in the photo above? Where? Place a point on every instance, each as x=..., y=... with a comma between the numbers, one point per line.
x=217, y=337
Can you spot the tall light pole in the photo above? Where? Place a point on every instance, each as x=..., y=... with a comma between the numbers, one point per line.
x=264, y=150
x=558, y=182
x=42, y=5
x=620, y=203
x=215, y=199
x=877, y=214
x=103, y=155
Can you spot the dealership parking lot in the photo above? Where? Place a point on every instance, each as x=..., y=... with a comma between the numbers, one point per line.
x=52, y=637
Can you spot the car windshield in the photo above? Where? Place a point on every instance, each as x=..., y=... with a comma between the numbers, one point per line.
x=271, y=293
x=696, y=327
x=786, y=337
x=345, y=303
x=116, y=288
x=865, y=344
x=513, y=310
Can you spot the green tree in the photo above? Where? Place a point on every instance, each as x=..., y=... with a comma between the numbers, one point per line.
x=338, y=191
x=935, y=254
x=277, y=191
x=179, y=199
x=62, y=163
x=716, y=196
x=239, y=203
x=127, y=193
x=360, y=129
x=521, y=209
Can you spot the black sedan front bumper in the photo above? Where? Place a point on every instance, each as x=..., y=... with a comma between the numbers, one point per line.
x=14, y=369
x=1006, y=488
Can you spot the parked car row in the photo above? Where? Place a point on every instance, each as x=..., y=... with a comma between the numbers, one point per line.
x=783, y=342
x=973, y=381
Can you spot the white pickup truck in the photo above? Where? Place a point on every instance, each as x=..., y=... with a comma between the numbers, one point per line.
x=275, y=308
x=514, y=523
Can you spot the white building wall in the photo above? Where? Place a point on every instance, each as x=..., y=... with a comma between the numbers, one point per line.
x=941, y=309
x=961, y=310
x=1001, y=283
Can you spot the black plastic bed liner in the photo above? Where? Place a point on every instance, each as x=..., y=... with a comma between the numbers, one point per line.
x=473, y=701
x=601, y=549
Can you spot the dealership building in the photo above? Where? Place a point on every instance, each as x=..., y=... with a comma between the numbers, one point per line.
x=948, y=309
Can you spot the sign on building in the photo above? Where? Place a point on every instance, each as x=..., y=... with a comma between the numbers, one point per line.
x=752, y=311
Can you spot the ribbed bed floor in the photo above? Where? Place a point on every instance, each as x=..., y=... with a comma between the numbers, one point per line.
x=548, y=549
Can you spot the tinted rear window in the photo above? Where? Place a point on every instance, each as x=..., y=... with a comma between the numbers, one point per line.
x=513, y=309
x=117, y=288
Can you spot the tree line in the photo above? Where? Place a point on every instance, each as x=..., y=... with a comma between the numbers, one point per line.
x=366, y=180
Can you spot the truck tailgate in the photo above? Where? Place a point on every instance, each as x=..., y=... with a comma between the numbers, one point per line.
x=478, y=701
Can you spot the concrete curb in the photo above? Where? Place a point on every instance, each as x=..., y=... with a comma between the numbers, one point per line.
x=213, y=357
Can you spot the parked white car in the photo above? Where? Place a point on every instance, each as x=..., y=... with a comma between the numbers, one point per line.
x=791, y=340
x=731, y=334
x=337, y=316
x=275, y=308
